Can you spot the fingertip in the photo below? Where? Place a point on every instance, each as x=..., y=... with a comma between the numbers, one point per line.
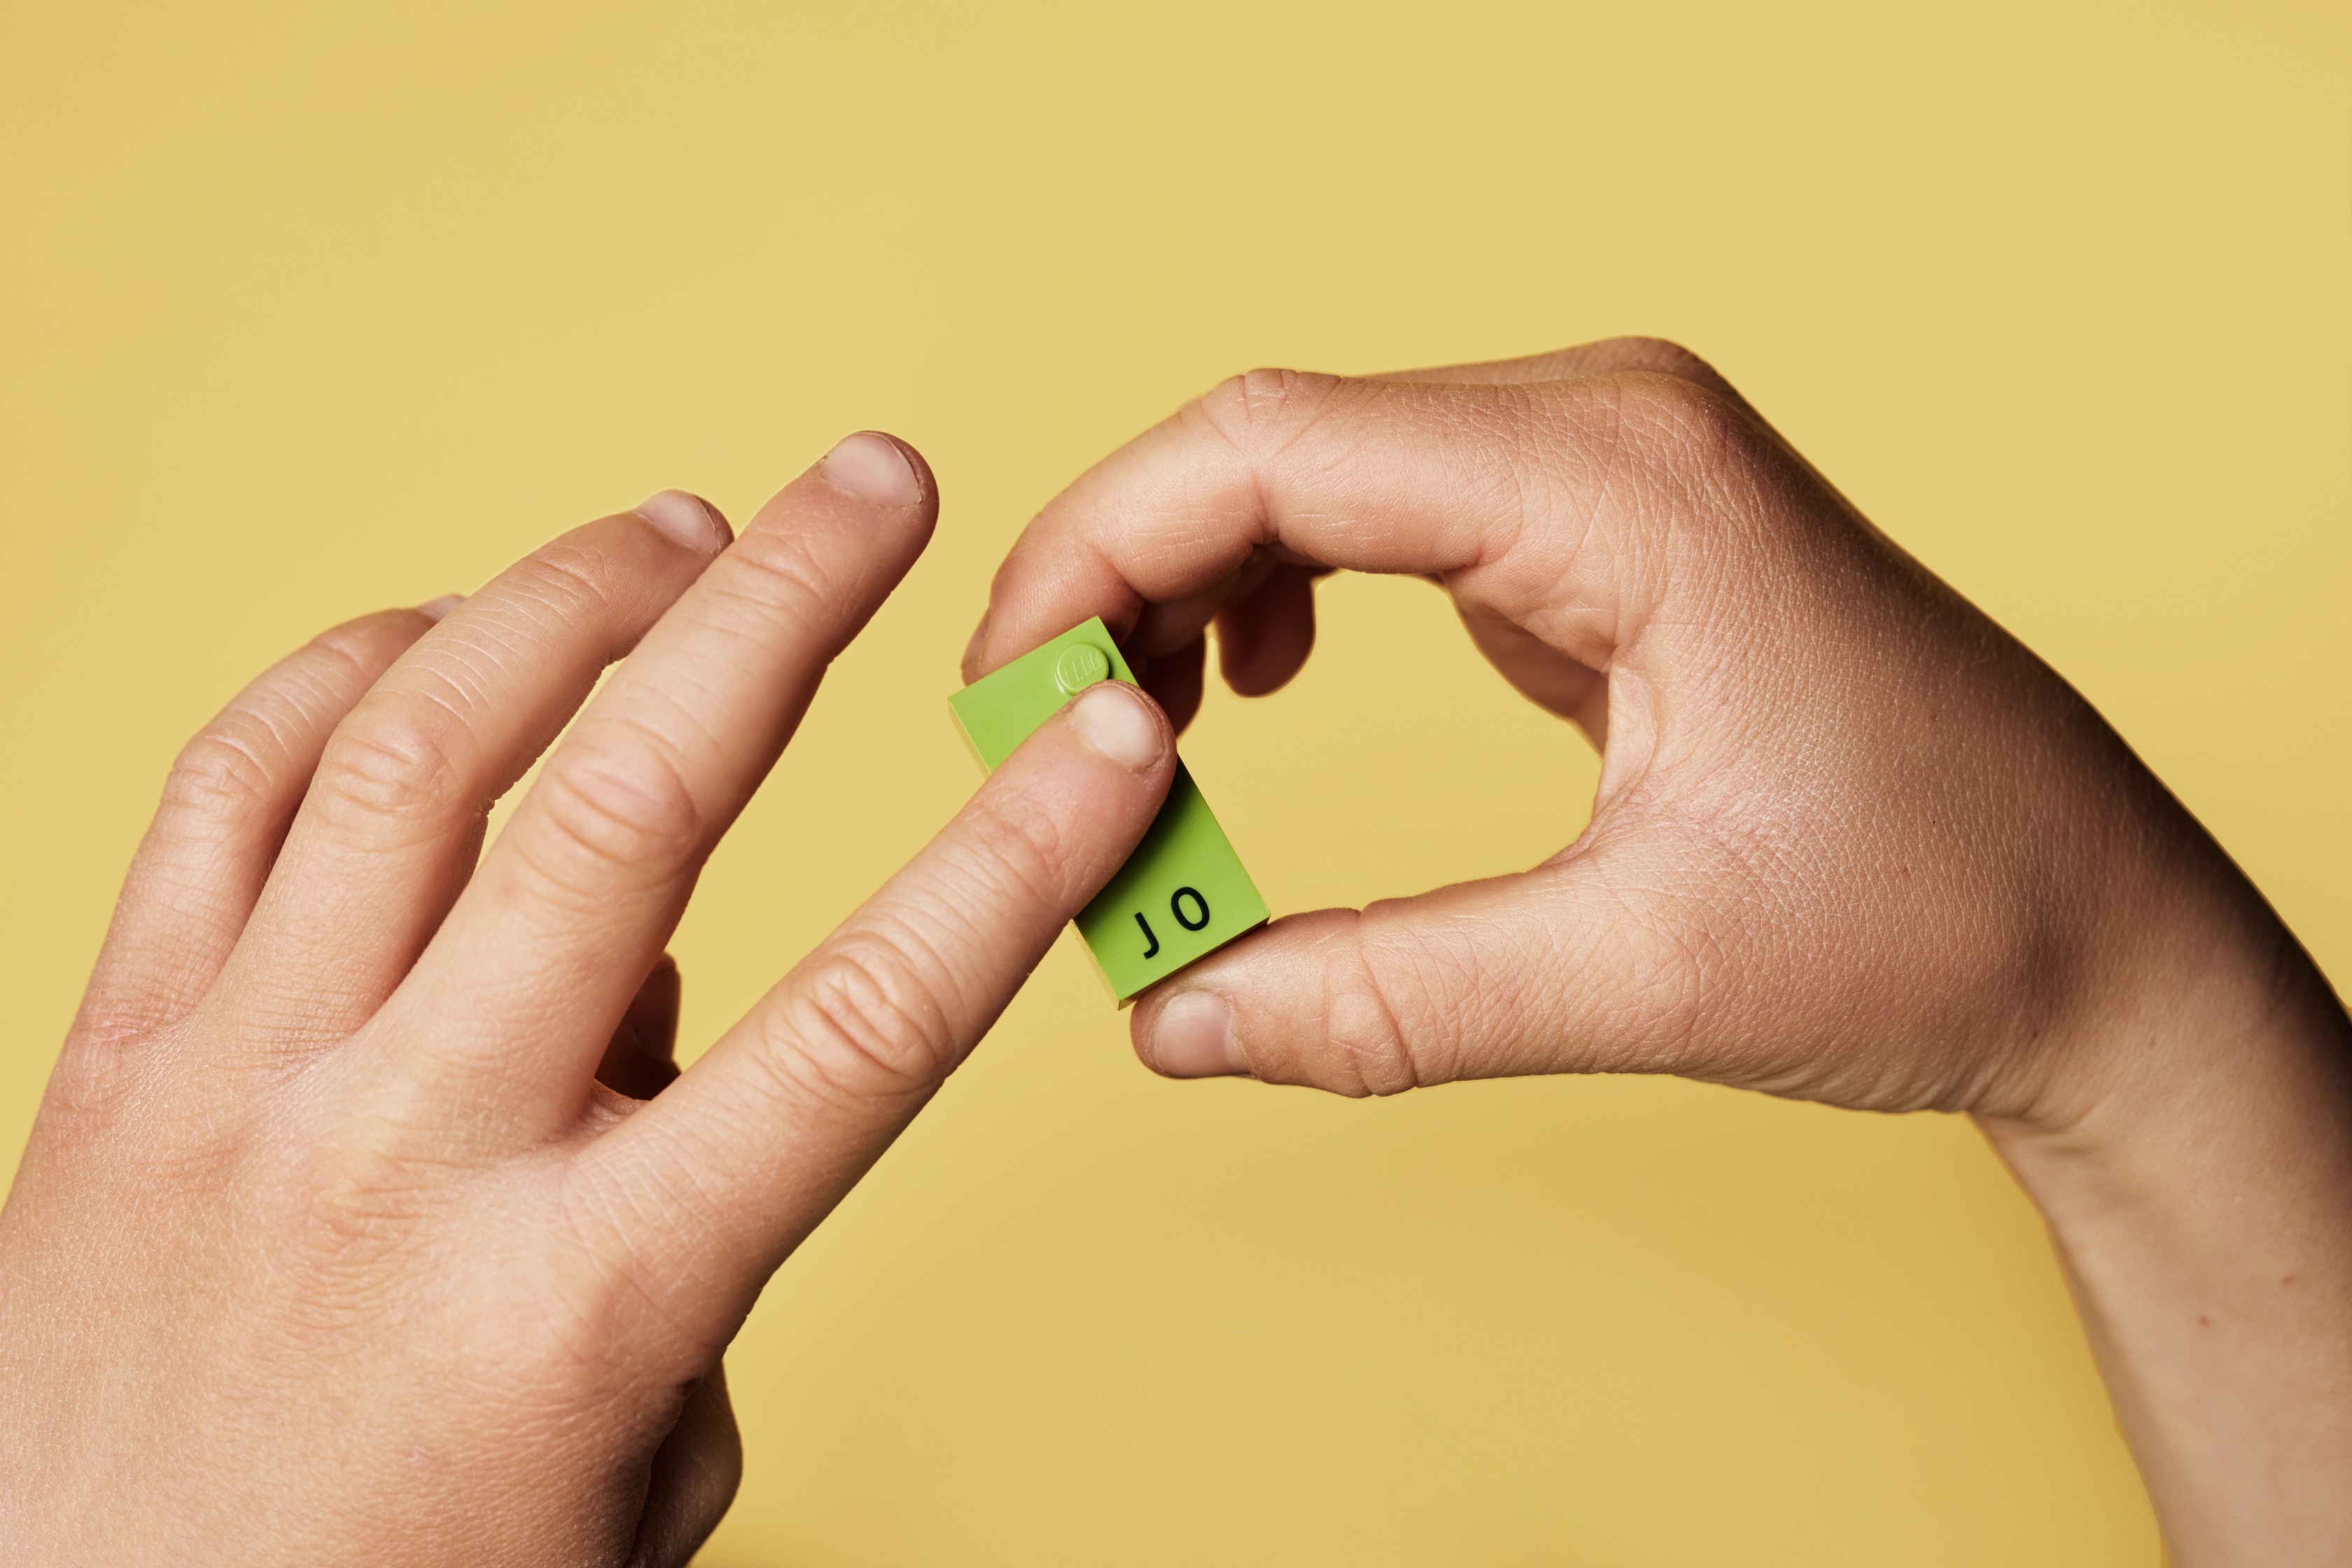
x=684, y=518
x=1191, y=1035
x=1121, y=724
x=879, y=469
x=872, y=496
x=926, y=480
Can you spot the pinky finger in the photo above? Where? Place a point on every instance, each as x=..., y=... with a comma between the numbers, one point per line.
x=227, y=806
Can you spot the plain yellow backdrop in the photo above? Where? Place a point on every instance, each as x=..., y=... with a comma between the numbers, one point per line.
x=310, y=309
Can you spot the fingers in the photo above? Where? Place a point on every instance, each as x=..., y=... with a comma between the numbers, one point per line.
x=1544, y=675
x=1539, y=973
x=712, y=1185
x=1523, y=500
x=1561, y=494
x=388, y=832
x=1718, y=938
x=226, y=808
x=526, y=979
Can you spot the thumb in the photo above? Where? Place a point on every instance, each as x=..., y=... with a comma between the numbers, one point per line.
x=1547, y=971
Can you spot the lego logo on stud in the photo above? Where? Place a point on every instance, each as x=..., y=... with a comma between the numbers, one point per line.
x=1081, y=665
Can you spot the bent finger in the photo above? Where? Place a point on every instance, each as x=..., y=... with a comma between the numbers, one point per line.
x=1510, y=494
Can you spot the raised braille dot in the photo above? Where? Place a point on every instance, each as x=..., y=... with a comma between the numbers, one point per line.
x=1081, y=665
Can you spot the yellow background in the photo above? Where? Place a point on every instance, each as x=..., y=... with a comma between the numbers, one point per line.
x=308, y=310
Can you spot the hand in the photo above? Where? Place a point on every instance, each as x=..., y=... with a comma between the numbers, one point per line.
x=1851, y=843
x=330, y=1245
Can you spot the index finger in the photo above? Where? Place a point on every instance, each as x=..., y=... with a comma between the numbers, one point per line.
x=1500, y=489
x=714, y=1182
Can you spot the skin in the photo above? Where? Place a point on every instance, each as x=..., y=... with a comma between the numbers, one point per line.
x=1851, y=843
x=368, y=1218
x=362, y=1220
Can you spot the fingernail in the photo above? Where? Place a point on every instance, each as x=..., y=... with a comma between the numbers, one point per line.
x=1194, y=1038
x=433, y=609
x=974, y=648
x=684, y=518
x=1111, y=718
x=872, y=469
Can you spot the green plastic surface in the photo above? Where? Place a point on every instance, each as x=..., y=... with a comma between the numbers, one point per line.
x=1183, y=893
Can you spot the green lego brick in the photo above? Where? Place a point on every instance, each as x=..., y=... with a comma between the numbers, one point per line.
x=1183, y=893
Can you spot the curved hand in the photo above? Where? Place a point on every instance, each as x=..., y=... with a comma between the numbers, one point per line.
x=330, y=1245
x=1851, y=843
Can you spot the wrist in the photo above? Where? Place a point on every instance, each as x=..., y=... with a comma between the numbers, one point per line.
x=2210, y=1063
x=2171, y=976
x=2195, y=1169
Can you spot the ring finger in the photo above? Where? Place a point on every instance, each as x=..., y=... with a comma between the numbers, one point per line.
x=522, y=987
x=394, y=819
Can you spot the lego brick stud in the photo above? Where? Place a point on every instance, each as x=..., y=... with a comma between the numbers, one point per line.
x=1081, y=665
x=1183, y=893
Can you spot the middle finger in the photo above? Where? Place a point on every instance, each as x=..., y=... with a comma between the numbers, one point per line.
x=388, y=831
x=515, y=999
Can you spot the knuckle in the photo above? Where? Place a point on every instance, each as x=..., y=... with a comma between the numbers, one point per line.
x=395, y=756
x=861, y=1024
x=1257, y=404
x=1367, y=1050
x=611, y=805
x=638, y=1226
x=225, y=771
x=570, y=575
x=354, y=1203
x=95, y=1072
x=1691, y=476
x=358, y=650
x=1661, y=398
x=250, y=752
x=1024, y=853
x=1661, y=354
x=1686, y=427
x=778, y=575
